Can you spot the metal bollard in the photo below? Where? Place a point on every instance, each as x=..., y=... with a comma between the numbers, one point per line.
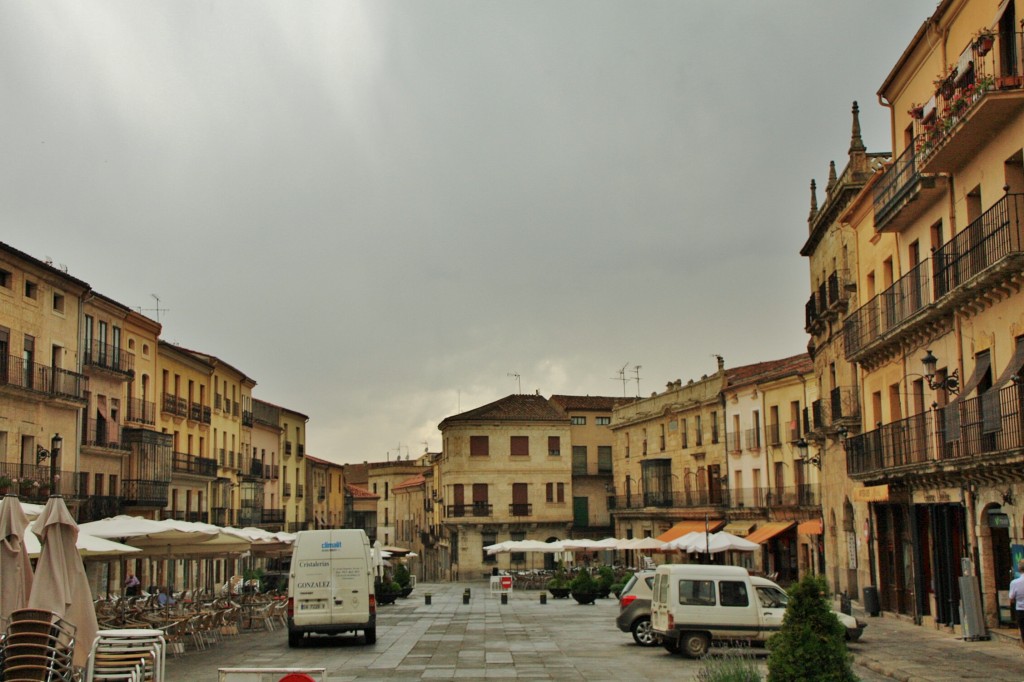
x=504, y=597
x=543, y=597
x=426, y=599
x=465, y=597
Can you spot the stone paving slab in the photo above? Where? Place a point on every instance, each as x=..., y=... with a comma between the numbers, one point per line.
x=561, y=640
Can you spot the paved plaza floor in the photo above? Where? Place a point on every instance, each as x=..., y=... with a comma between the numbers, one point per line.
x=560, y=640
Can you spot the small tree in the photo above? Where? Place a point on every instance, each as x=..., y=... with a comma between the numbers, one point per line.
x=811, y=644
x=402, y=576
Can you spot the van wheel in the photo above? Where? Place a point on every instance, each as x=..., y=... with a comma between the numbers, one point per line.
x=370, y=635
x=694, y=644
x=643, y=633
x=294, y=639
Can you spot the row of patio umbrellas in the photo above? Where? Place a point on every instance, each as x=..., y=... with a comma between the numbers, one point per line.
x=695, y=542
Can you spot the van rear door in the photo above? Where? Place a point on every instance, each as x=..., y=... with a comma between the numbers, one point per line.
x=350, y=592
x=311, y=589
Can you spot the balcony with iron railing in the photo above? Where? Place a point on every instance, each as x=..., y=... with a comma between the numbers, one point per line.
x=287, y=447
x=221, y=516
x=300, y=490
x=139, y=411
x=184, y=463
x=195, y=412
x=286, y=489
x=246, y=418
x=752, y=438
x=773, y=432
x=96, y=507
x=144, y=493
x=31, y=482
x=273, y=516
x=668, y=499
x=256, y=467
x=321, y=494
x=979, y=94
x=300, y=450
x=733, y=442
x=103, y=356
x=40, y=380
x=483, y=509
x=102, y=434
x=976, y=260
x=978, y=433
x=904, y=193
x=174, y=405
x=520, y=509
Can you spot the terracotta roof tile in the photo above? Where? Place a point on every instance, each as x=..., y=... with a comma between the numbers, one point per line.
x=588, y=402
x=768, y=371
x=410, y=482
x=361, y=493
x=518, y=407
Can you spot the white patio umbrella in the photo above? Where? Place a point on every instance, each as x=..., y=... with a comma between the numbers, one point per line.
x=217, y=541
x=641, y=544
x=144, y=533
x=684, y=542
x=590, y=545
x=60, y=583
x=89, y=547
x=15, y=568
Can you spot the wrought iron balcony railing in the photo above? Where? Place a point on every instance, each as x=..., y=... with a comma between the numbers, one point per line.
x=273, y=516
x=108, y=357
x=172, y=404
x=102, y=433
x=475, y=509
x=139, y=493
x=139, y=411
x=53, y=382
x=520, y=509
x=191, y=464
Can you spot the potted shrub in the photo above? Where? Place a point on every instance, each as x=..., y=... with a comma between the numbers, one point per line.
x=5, y=484
x=387, y=592
x=559, y=586
x=584, y=588
x=984, y=42
x=605, y=578
x=403, y=579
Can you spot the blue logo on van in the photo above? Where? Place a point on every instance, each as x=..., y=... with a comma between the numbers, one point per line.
x=328, y=546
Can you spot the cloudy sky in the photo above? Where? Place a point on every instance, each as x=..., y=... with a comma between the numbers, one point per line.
x=381, y=210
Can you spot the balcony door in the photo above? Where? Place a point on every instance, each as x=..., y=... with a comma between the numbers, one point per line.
x=480, y=501
x=458, y=500
x=520, y=499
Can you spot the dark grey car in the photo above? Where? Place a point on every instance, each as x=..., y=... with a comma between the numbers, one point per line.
x=635, y=609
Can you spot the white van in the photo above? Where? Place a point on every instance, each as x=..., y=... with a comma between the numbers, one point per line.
x=693, y=605
x=330, y=585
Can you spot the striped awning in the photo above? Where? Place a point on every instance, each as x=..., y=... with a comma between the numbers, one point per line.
x=769, y=530
x=684, y=527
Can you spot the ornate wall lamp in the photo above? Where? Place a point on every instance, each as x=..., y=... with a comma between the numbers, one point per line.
x=53, y=454
x=803, y=453
x=951, y=383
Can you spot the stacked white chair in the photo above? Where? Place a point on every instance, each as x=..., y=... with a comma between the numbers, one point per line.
x=128, y=654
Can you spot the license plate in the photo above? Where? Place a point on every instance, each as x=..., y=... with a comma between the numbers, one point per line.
x=311, y=606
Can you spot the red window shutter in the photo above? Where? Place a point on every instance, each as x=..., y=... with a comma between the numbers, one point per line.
x=519, y=445
x=479, y=445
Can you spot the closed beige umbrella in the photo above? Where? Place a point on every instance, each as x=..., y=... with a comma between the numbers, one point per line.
x=15, y=568
x=60, y=584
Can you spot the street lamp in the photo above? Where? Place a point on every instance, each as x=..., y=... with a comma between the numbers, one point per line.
x=803, y=453
x=950, y=383
x=52, y=454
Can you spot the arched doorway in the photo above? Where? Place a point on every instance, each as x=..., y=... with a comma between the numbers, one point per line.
x=551, y=559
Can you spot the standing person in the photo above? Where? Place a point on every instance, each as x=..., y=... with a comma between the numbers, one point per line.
x=131, y=585
x=1017, y=598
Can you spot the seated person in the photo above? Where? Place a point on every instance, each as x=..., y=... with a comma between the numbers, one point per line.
x=165, y=598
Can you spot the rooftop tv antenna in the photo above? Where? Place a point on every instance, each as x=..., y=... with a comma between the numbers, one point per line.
x=636, y=373
x=519, y=384
x=622, y=378
x=157, y=309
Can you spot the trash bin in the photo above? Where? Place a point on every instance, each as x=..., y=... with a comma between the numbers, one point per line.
x=871, y=605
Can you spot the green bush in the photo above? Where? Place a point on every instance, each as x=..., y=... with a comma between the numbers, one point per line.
x=560, y=581
x=402, y=576
x=605, y=578
x=728, y=667
x=584, y=582
x=811, y=643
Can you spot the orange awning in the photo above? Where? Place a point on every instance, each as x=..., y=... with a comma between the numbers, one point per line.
x=769, y=530
x=810, y=527
x=684, y=527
